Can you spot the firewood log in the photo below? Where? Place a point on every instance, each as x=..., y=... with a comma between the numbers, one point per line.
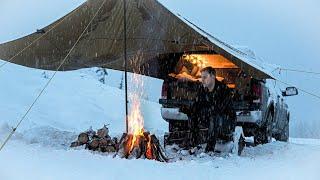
x=93, y=145
x=83, y=138
x=103, y=132
x=75, y=144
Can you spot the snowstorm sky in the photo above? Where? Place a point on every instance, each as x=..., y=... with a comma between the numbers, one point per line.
x=285, y=32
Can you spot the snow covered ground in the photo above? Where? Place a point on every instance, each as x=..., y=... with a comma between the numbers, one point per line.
x=21, y=160
x=77, y=100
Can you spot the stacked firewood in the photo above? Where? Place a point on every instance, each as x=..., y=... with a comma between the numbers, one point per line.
x=97, y=141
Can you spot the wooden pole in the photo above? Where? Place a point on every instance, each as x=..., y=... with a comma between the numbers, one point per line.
x=125, y=60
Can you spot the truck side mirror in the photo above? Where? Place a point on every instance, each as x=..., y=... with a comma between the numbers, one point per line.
x=290, y=91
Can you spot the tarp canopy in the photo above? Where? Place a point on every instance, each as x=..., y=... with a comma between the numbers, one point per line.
x=152, y=30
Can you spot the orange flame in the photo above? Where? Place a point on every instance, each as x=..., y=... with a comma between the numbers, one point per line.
x=149, y=149
x=135, y=122
x=135, y=117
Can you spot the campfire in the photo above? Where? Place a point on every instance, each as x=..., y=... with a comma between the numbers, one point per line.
x=138, y=143
x=141, y=146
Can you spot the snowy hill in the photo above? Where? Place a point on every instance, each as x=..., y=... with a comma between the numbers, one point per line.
x=73, y=101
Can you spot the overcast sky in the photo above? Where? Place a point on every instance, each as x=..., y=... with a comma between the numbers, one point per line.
x=285, y=32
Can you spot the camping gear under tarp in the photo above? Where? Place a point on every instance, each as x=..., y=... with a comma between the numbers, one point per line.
x=152, y=30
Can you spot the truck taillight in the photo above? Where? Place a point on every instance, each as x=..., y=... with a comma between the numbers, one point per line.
x=257, y=92
x=164, y=92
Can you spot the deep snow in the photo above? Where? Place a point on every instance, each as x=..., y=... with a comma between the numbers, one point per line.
x=77, y=100
x=276, y=161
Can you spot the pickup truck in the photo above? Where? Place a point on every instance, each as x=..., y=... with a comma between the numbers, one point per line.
x=260, y=106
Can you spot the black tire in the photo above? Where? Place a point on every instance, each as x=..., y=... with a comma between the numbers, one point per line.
x=284, y=136
x=263, y=135
x=241, y=145
x=260, y=136
x=176, y=125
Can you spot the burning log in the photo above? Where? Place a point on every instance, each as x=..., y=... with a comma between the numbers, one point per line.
x=143, y=146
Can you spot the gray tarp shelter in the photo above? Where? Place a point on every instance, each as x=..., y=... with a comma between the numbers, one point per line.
x=152, y=30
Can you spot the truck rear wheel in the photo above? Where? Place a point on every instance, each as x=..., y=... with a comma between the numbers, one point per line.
x=284, y=135
x=263, y=135
x=260, y=136
x=241, y=145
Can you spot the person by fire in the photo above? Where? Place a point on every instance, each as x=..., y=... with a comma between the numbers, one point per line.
x=213, y=107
